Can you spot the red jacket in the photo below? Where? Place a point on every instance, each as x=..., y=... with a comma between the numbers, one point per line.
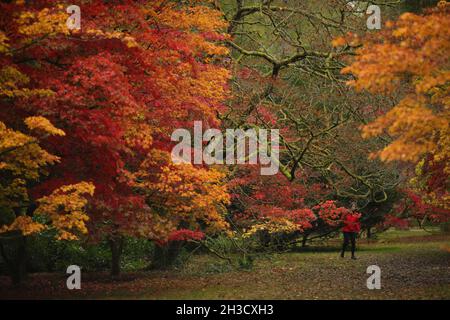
x=351, y=223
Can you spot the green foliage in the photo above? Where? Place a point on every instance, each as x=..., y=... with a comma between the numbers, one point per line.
x=246, y=262
x=226, y=245
x=45, y=254
x=238, y=252
x=136, y=253
x=173, y=255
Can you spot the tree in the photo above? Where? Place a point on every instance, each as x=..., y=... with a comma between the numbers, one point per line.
x=409, y=59
x=279, y=211
x=119, y=86
x=22, y=161
x=288, y=78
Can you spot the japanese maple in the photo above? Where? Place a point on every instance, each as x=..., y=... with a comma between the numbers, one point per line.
x=409, y=57
x=118, y=87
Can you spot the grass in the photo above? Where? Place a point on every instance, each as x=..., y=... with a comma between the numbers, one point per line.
x=414, y=265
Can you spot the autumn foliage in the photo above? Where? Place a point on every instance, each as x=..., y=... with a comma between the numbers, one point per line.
x=86, y=117
x=23, y=161
x=295, y=208
x=115, y=90
x=409, y=59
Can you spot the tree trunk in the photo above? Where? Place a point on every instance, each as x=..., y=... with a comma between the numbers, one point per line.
x=17, y=263
x=369, y=233
x=21, y=261
x=305, y=238
x=116, y=244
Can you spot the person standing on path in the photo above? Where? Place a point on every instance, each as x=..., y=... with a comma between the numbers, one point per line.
x=350, y=230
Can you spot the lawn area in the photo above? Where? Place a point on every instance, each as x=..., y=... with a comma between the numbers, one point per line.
x=414, y=265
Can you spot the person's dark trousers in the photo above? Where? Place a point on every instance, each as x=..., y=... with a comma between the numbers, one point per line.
x=349, y=237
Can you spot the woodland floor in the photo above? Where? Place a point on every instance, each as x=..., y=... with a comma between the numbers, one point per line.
x=413, y=266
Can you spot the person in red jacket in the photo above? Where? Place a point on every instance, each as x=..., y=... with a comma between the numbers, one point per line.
x=350, y=230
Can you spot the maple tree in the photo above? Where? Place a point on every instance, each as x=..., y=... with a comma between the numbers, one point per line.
x=278, y=211
x=86, y=117
x=118, y=87
x=409, y=57
x=22, y=162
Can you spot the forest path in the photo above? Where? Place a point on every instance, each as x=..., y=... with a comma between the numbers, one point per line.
x=411, y=268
